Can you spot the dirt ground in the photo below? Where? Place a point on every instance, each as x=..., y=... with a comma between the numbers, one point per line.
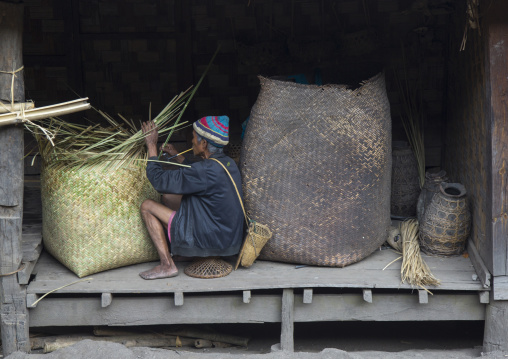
x=342, y=340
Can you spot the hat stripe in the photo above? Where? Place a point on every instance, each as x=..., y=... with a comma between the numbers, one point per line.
x=218, y=124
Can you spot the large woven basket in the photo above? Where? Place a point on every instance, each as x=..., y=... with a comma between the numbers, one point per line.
x=316, y=167
x=91, y=218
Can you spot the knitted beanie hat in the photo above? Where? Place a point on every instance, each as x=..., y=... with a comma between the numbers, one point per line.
x=214, y=129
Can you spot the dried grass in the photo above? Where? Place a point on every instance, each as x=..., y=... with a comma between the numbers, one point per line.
x=414, y=270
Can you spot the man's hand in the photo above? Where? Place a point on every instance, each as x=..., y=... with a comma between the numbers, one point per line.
x=171, y=151
x=151, y=136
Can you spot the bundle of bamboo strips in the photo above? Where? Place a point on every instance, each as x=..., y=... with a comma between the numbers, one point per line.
x=414, y=270
x=413, y=118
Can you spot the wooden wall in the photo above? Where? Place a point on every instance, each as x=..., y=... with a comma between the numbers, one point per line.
x=124, y=54
x=467, y=145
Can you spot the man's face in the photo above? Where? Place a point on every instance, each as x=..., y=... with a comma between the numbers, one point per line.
x=197, y=147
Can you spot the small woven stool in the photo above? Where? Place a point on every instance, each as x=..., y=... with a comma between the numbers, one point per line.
x=208, y=268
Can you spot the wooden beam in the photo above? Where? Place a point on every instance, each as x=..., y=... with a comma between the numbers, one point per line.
x=246, y=296
x=484, y=297
x=478, y=264
x=496, y=30
x=367, y=295
x=178, y=299
x=134, y=311
x=307, y=296
x=500, y=288
x=106, y=299
x=287, y=321
x=157, y=310
x=423, y=296
x=31, y=300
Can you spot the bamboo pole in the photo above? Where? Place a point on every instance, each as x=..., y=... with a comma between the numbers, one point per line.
x=8, y=107
x=39, y=113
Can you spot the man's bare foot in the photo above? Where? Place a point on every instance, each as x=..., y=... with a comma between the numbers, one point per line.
x=161, y=271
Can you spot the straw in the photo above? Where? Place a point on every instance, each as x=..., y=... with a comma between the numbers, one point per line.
x=414, y=270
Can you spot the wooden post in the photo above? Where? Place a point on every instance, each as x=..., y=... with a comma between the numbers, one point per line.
x=496, y=32
x=14, y=314
x=287, y=322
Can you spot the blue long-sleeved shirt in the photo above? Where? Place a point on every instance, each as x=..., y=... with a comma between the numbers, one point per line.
x=210, y=219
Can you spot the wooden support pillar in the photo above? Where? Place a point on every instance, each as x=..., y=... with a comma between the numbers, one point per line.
x=13, y=314
x=287, y=322
x=495, y=30
x=496, y=326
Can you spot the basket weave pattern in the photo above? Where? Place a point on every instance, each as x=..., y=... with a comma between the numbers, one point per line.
x=405, y=182
x=316, y=166
x=255, y=240
x=446, y=224
x=91, y=218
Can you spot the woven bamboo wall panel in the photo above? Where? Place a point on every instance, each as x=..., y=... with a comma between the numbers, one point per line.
x=126, y=16
x=316, y=168
x=125, y=76
x=467, y=153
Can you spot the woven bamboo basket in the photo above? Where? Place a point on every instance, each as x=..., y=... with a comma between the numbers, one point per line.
x=316, y=168
x=91, y=218
x=405, y=181
x=446, y=222
x=257, y=237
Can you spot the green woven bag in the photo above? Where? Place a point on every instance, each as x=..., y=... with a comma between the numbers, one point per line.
x=91, y=218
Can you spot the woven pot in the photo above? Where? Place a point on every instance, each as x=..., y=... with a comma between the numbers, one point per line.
x=405, y=181
x=91, y=218
x=316, y=169
x=446, y=223
x=430, y=188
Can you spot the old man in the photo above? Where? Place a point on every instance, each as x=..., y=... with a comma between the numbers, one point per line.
x=201, y=215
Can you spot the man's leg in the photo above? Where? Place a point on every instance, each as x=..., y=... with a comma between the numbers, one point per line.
x=154, y=214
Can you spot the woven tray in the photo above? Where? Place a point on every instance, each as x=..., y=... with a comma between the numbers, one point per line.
x=91, y=219
x=316, y=167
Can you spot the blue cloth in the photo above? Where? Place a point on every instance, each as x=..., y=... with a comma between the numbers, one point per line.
x=210, y=219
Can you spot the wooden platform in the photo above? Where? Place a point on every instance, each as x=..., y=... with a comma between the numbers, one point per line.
x=265, y=292
x=362, y=291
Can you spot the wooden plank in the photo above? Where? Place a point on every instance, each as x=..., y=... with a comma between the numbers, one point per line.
x=133, y=311
x=500, y=288
x=367, y=295
x=390, y=307
x=287, y=321
x=307, y=296
x=455, y=274
x=130, y=311
x=497, y=101
x=480, y=267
